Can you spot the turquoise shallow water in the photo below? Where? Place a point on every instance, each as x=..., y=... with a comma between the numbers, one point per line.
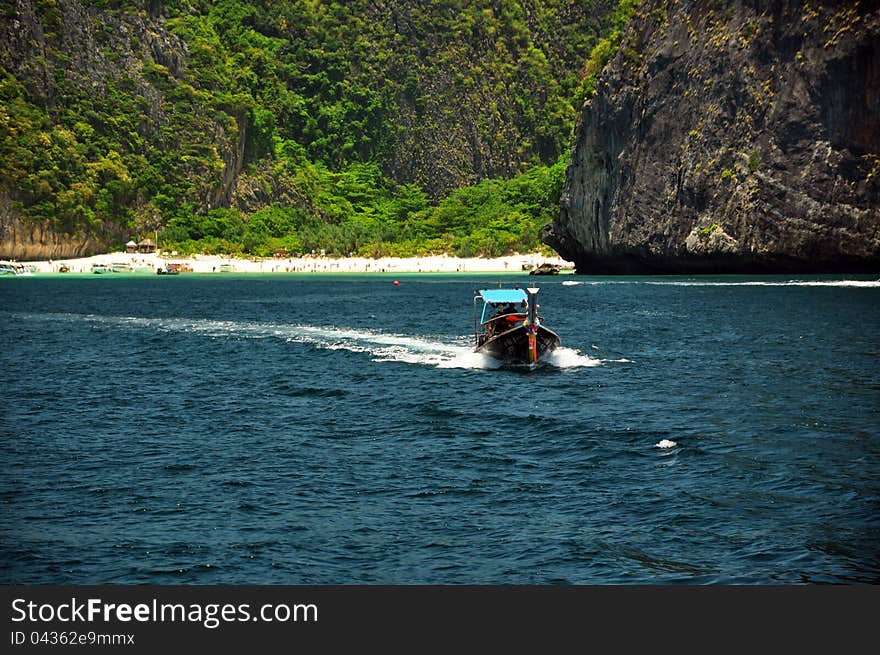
x=303, y=429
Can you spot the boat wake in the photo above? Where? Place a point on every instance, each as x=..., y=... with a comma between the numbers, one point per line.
x=786, y=283
x=559, y=358
x=866, y=284
x=379, y=345
x=571, y=358
x=382, y=346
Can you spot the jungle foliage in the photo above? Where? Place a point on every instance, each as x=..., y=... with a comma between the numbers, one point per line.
x=370, y=127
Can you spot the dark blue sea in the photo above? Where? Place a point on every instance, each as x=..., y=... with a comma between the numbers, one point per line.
x=333, y=429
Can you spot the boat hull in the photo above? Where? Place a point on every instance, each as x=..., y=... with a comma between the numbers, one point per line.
x=512, y=346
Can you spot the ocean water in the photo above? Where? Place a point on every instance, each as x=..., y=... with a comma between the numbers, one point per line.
x=333, y=429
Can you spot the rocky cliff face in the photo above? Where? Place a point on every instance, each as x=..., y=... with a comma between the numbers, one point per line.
x=136, y=114
x=67, y=50
x=29, y=241
x=730, y=137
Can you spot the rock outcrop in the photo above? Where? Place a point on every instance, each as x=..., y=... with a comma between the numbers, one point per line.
x=142, y=114
x=29, y=241
x=730, y=137
x=66, y=51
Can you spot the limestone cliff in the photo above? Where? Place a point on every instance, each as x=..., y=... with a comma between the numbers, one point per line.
x=128, y=117
x=730, y=137
x=71, y=57
x=30, y=241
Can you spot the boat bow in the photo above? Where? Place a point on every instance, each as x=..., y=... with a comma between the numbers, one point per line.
x=507, y=327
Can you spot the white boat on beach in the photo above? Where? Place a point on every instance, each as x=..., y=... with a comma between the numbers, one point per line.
x=14, y=268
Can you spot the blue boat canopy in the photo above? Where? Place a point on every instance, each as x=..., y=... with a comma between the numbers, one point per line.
x=503, y=296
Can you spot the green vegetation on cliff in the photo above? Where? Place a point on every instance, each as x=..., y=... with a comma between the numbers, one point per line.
x=604, y=50
x=376, y=127
x=366, y=216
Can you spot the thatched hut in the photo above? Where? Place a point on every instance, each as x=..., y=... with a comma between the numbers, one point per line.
x=146, y=246
x=131, y=247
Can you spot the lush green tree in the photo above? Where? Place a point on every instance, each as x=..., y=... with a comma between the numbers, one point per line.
x=403, y=127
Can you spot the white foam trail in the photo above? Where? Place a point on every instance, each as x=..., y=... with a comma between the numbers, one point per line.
x=571, y=358
x=381, y=346
x=571, y=283
x=865, y=284
x=471, y=360
x=665, y=443
x=868, y=284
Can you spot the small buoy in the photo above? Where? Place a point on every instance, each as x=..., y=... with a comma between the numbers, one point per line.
x=666, y=443
x=396, y=283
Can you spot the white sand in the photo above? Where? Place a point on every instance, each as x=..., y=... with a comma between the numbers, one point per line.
x=316, y=264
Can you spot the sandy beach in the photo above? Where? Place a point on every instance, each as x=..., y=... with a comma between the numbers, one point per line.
x=140, y=262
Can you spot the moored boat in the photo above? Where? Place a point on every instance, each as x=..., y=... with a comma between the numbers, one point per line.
x=507, y=327
x=11, y=268
x=101, y=269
